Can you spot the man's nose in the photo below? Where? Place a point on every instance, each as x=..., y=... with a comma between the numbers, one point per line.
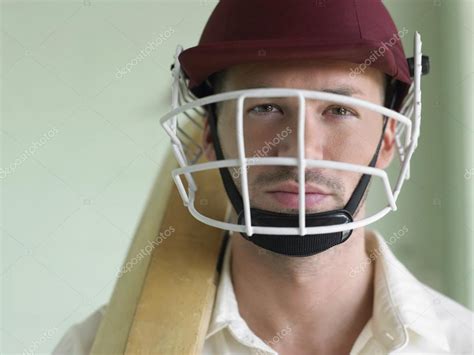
x=314, y=136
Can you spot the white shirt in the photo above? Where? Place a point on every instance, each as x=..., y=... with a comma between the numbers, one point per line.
x=408, y=317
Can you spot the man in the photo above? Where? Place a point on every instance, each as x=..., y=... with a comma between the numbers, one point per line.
x=335, y=292
x=317, y=293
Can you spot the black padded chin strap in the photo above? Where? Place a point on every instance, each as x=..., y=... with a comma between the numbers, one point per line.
x=292, y=245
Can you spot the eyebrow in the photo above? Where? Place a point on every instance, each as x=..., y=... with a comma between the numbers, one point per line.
x=345, y=90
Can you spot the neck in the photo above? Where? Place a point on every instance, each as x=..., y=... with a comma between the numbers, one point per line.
x=284, y=299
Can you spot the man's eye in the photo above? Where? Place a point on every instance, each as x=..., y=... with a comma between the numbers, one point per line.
x=265, y=109
x=341, y=111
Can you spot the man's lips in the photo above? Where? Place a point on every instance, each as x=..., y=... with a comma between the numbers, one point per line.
x=288, y=195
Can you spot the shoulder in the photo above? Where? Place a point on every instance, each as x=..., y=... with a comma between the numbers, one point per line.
x=456, y=320
x=79, y=338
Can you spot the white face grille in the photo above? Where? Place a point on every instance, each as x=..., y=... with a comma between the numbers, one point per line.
x=187, y=111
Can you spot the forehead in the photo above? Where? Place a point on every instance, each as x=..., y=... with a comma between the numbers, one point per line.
x=306, y=74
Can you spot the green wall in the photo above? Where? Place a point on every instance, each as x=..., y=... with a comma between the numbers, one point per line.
x=436, y=203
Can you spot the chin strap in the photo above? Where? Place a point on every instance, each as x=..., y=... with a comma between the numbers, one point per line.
x=294, y=245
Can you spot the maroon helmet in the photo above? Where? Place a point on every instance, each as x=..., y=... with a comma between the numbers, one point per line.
x=241, y=31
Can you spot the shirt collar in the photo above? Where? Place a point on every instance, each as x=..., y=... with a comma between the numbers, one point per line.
x=225, y=306
x=226, y=311
x=401, y=302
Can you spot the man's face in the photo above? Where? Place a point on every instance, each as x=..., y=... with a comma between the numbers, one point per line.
x=335, y=132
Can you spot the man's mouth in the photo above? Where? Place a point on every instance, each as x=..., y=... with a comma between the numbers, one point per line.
x=287, y=195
